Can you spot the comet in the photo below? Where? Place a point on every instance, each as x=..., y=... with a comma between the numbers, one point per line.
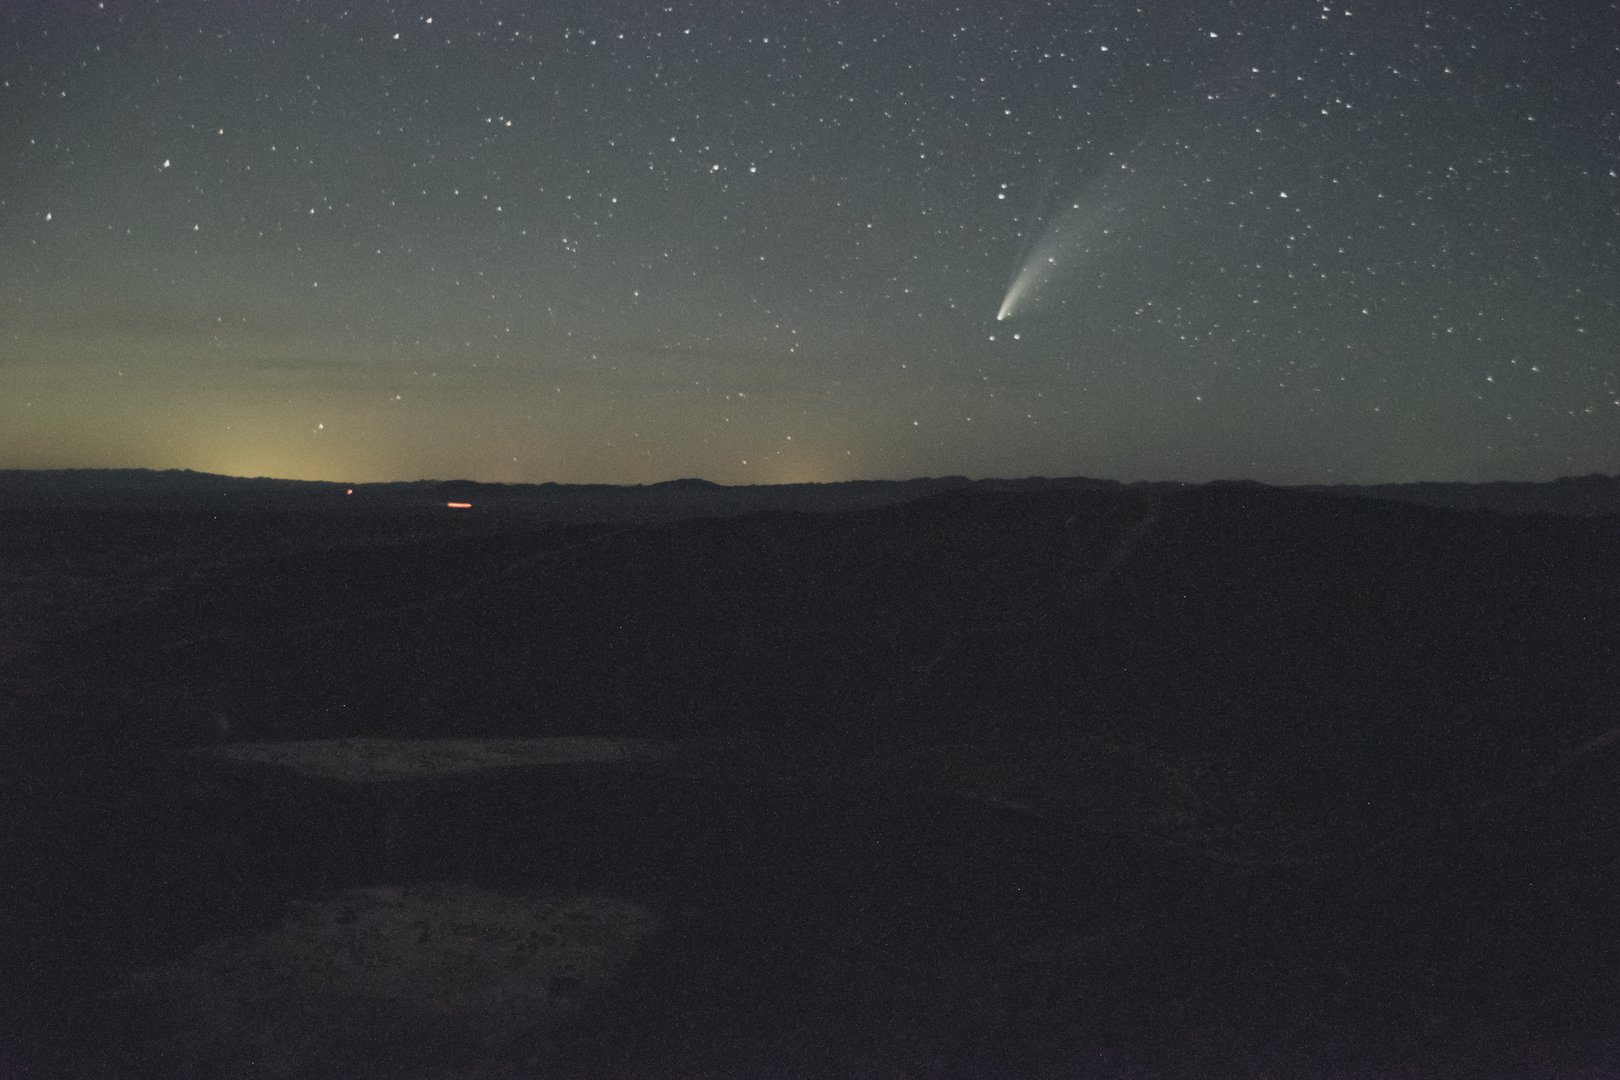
x=1031, y=276
x=1074, y=238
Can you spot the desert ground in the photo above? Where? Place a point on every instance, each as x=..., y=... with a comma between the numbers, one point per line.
x=1045, y=783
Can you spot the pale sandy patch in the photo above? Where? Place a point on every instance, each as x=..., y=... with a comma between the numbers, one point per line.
x=416, y=973
x=365, y=759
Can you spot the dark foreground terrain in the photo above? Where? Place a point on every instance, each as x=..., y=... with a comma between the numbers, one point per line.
x=1038, y=780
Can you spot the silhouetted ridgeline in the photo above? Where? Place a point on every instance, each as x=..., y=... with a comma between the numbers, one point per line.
x=1586, y=495
x=675, y=499
x=1358, y=659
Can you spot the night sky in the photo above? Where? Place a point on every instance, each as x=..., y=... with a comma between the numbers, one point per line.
x=770, y=241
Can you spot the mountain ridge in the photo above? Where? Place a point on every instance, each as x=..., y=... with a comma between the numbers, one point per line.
x=1587, y=495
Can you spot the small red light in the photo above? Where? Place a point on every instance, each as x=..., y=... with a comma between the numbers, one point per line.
x=350, y=491
x=459, y=506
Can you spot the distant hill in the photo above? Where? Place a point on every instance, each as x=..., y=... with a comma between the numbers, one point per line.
x=692, y=498
x=87, y=483
x=669, y=500
x=1583, y=495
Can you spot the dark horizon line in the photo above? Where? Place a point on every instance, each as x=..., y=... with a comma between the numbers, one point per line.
x=698, y=480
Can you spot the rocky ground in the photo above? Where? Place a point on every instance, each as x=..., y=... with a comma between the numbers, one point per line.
x=1066, y=781
x=804, y=924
